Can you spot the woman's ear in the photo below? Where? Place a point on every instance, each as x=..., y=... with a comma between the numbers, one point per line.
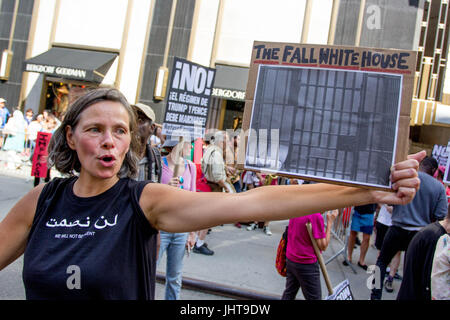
x=69, y=137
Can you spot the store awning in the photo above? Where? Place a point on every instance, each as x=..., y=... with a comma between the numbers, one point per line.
x=68, y=63
x=230, y=82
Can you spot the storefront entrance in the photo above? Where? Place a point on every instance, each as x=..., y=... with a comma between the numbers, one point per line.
x=234, y=112
x=58, y=95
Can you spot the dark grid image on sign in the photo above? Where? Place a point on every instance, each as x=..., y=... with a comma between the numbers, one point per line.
x=331, y=124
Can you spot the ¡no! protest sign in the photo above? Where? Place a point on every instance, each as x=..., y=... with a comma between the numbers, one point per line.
x=188, y=99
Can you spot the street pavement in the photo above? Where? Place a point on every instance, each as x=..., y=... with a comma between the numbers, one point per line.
x=243, y=262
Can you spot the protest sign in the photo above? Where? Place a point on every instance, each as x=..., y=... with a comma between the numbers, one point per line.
x=328, y=113
x=39, y=168
x=341, y=292
x=440, y=153
x=188, y=99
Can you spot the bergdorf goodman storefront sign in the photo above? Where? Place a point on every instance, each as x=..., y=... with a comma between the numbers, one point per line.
x=228, y=94
x=59, y=71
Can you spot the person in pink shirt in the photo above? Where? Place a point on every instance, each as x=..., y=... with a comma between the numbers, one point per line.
x=302, y=268
x=174, y=244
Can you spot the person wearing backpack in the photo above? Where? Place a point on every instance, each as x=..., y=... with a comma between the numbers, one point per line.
x=302, y=267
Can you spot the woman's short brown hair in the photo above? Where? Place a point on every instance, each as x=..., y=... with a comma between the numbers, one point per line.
x=65, y=159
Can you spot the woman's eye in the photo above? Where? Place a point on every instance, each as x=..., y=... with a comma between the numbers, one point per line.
x=121, y=131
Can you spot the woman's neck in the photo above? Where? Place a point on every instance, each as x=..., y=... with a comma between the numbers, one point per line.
x=88, y=186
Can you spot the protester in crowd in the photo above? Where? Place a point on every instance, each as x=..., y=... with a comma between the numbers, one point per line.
x=416, y=284
x=150, y=165
x=61, y=101
x=302, y=268
x=267, y=180
x=383, y=222
x=439, y=175
x=15, y=129
x=28, y=116
x=4, y=113
x=362, y=221
x=45, y=114
x=111, y=221
x=228, y=160
x=174, y=244
x=440, y=270
x=252, y=179
x=157, y=138
x=231, y=162
x=50, y=124
x=234, y=172
x=202, y=186
x=4, y=116
x=430, y=204
x=214, y=169
x=33, y=128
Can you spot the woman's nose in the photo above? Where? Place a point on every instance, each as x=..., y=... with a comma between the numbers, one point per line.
x=108, y=141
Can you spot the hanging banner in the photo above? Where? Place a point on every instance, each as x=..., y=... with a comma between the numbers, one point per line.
x=39, y=168
x=188, y=99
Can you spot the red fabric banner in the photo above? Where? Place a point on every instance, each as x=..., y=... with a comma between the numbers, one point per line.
x=39, y=169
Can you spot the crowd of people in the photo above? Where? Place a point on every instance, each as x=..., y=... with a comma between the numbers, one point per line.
x=18, y=131
x=218, y=173
x=108, y=172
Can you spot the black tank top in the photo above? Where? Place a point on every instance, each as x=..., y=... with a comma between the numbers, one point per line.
x=100, y=247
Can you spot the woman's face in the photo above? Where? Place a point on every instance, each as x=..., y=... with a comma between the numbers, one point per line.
x=101, y=139
x=145, y=126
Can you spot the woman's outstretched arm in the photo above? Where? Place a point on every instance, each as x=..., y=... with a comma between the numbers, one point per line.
x=175, y=210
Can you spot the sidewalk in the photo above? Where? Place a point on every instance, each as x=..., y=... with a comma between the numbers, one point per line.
x=245, y=260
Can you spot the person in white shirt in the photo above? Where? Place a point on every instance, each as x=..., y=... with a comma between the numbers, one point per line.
x=383, y=222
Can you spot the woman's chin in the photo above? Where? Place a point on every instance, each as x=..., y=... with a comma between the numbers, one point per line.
x=104, y=174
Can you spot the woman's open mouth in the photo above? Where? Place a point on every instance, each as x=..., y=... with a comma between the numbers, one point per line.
x=107, y=160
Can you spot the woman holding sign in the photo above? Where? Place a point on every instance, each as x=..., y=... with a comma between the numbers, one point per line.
x=93, y=236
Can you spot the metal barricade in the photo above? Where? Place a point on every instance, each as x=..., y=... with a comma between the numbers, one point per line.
x=341, y=232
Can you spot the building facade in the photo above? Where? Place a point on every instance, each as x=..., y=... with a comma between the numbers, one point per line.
x=61, y=47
